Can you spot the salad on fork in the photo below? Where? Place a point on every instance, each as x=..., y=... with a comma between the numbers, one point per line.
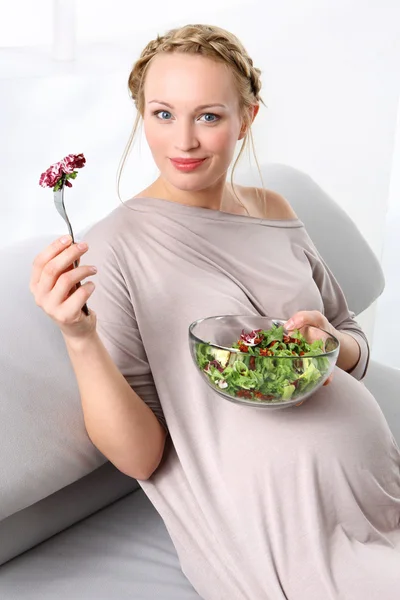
x=57, y=176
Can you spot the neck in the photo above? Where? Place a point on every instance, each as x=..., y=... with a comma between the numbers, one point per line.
x=212, y=197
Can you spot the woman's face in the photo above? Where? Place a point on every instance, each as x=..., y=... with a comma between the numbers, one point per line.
x=182, y=119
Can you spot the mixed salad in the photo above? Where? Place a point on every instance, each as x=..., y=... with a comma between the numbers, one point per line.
x=257, y=373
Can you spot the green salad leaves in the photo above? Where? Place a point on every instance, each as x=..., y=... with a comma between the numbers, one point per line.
x=253, y=369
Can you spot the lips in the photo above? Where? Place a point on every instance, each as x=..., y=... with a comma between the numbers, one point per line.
x=187, y=161
x=187, y=165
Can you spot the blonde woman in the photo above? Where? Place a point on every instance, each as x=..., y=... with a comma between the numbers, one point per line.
x=299, y=504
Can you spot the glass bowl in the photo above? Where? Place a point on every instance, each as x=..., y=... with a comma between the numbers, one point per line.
x=248, y=378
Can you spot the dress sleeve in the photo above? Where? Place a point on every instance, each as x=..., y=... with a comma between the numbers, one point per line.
x=335, y=307
x=116, y=322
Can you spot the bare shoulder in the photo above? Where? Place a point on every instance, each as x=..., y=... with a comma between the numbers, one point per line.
x=267, y=204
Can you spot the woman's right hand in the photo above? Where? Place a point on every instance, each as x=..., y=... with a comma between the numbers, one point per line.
x=53, y=281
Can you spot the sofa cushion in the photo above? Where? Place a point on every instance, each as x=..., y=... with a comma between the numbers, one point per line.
x=384, y=384
x=44, y=443
x=39, y=521
x=122, y=552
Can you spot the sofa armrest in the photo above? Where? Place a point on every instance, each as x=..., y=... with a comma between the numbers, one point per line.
x=384, y=384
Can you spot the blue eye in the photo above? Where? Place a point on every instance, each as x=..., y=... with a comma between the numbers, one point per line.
x=158, y=112
x=211, y=115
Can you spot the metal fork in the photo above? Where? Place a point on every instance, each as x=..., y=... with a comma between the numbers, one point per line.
x=279, y=324
x=59, y=203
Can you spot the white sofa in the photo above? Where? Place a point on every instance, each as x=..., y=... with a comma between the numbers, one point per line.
x=72, y=527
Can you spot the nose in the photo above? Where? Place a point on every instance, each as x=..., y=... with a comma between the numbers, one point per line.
x=185, y=136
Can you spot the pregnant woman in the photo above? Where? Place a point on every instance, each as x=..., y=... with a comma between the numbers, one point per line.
x=296, y=504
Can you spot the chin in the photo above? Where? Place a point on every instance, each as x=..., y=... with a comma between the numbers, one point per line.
x=188, y=182
x=189, y=186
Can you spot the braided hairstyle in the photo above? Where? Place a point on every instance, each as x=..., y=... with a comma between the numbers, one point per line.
x=209, y=41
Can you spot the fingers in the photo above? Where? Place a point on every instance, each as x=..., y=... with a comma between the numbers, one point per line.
x=70, y=311
x=44, y=257
x=329, y=380
x=64, y=302
x=66, y=282
x=54, y=260
x=301, y=318
x=306, y=317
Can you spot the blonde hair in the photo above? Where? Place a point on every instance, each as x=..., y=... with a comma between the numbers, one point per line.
x=214, y=43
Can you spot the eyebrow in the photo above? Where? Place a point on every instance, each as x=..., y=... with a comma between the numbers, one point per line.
x=201, y=107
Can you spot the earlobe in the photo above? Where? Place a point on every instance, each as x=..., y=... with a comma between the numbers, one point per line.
x=243, y=131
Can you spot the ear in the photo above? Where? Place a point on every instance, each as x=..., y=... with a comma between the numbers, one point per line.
x=254, y=109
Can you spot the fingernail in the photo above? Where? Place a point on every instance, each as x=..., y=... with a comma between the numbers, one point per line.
x=289, y=324
x=82, y=246
x=65, y=239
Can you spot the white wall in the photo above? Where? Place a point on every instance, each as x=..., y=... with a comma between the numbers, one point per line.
x=330, y=80
x=387, y=322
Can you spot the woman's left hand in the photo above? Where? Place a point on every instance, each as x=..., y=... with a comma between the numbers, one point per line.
x=314, y=318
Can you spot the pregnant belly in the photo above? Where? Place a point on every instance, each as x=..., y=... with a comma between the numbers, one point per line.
x=336, y=451
x=309, y=482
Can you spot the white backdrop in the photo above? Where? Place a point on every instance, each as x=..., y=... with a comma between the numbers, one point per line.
x=331, y=81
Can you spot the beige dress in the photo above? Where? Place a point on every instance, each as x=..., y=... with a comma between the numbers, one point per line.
x=298, y=504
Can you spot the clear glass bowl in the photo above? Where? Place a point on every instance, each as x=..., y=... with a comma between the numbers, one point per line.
x=260, y=381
